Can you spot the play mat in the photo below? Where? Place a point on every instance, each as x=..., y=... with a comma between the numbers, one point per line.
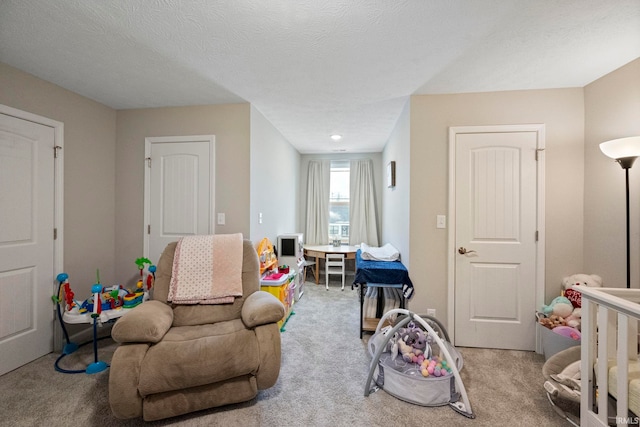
x=428, y=377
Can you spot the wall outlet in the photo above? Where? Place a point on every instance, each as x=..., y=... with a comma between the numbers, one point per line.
x=221, y=219
x=431, y=312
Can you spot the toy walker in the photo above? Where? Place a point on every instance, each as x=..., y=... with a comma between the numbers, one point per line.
x=427, y=375
x=106, y=304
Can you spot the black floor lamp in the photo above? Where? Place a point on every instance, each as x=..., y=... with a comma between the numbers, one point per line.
x=625, y=151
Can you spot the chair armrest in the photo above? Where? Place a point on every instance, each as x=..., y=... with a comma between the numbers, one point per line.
x=261, y=308
x=148, y=322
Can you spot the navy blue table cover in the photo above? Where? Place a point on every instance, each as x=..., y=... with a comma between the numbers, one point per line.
x=387, y=272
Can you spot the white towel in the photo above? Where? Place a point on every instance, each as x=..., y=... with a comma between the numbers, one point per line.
x=375, y=293
x=384, y=253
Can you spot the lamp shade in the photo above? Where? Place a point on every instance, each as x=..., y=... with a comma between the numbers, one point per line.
x=622, y=147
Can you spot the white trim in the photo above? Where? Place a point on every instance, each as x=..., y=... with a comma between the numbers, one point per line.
x=58, y=201
x=540, y=215
x=211, y=139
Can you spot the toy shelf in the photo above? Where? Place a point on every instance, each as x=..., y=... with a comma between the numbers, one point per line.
x=282, y=288
x=369, y=324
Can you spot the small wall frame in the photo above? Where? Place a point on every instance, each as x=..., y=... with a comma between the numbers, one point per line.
x=391, y=174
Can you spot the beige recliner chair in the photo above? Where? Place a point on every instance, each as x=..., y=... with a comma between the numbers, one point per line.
x=175, y=359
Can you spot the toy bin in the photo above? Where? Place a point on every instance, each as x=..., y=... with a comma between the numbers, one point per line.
x=553, y=343
x=283, y=289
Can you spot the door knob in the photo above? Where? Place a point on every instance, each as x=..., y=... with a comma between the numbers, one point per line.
x=463, y=251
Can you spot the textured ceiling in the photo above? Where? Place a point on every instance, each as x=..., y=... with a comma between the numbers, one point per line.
x=315, y=67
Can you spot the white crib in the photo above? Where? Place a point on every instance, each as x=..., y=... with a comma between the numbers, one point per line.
x=610, y=344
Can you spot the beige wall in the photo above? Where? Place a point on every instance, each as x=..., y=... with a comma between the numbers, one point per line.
x=431, y=116
x=275, y=181
x=612, y=110
x=104, y=175
x=230, y=125
x=89, y=172
x=395, y=201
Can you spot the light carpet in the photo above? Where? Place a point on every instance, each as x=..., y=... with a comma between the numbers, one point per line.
x=322, y=382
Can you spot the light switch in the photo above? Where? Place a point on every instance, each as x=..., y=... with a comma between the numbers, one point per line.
x=260, y=218
x=441, y=221
x=221, y=219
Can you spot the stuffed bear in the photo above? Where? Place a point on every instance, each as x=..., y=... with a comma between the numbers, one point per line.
x=414, y=337
x=560, y=306
x=575, y=319
x=591, y=280
x=410, y=337
x=405, y=350
x=552, y=321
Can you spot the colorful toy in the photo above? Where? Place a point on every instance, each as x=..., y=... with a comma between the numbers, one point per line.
x=97, y=365
x=405, y=350
x=103, y=305
x=63, y=286
x=575, y=319
x=111, y=300
x=140, y=262
x=435, y=366
x=416, y=338
x=428, y=383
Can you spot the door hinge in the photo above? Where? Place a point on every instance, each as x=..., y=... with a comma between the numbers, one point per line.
x=55, y=151
x=538, y=150
x=55, y=234
x=536, y=235
x=149, y=229
x=148, y=159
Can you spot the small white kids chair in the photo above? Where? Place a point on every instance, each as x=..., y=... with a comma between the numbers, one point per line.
x=334, y=264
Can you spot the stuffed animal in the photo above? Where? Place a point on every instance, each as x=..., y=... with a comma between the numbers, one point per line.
x=421, y=344
x=569, y=282
x=406, y=350
x=575, y=319
x=560, y=306
x=552, y=321
x=392, y=343
x=417, y=339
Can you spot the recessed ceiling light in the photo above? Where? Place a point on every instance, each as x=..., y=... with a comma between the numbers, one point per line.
x=336, y=137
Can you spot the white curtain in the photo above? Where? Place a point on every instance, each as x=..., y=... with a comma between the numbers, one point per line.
x=362, y=204
x=317, y=227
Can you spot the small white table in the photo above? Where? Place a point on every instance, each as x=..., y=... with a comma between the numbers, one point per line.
x=320, y=251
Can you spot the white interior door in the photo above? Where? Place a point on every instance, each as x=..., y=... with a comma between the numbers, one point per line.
x=26, y=241
x=179, y=190
x=496, y=228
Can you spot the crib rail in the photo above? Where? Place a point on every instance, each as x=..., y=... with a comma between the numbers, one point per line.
x=609, y=337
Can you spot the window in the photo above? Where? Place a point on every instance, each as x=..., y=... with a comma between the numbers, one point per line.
x=339, y=201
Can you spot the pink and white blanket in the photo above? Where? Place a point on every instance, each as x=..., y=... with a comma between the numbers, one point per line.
x=207, y=270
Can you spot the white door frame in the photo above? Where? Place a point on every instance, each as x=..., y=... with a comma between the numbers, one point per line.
x=211, y=139
x=540, y=214
x=58, y=198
